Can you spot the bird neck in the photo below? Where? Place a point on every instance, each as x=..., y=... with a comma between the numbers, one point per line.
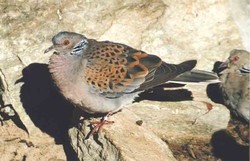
x=64, y=69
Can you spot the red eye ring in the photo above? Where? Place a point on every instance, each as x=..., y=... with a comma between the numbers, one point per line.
x=66, y=42
x=236, y=58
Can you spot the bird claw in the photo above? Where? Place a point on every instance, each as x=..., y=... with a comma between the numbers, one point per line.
x=97, y=125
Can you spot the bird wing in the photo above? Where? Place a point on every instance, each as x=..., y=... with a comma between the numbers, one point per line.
x=245, y=69
x=115, y=69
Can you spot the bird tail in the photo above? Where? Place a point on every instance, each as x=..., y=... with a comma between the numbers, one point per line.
x=166, y=72
x=196, y=76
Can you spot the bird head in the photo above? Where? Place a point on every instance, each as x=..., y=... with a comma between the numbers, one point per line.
x=237, y=59
x=68, y=43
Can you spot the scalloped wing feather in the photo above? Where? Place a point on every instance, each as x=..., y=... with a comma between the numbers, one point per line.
x=114, y=69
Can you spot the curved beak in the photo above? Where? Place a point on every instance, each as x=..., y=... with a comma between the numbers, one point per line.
x=49, y=49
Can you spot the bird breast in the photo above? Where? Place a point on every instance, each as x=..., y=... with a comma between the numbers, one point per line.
x=236, y=89
x=68, y=75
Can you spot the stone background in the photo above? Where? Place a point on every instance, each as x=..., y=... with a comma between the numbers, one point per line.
x=174, y=30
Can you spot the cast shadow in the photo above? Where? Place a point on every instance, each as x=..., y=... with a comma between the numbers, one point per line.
x=213, y=90
x=160, y=94
x=227, y=149
x=5, y=116
x=48, y=110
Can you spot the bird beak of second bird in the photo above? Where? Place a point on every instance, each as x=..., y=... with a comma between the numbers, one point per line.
x=49, y=49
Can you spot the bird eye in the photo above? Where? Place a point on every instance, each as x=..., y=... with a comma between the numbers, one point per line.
x=236, y=58
x=66, y=42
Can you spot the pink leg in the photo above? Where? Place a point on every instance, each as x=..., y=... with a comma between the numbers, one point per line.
x=97, y=125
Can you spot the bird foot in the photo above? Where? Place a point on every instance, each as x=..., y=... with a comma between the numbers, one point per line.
x=97, y=125
x=209, y=108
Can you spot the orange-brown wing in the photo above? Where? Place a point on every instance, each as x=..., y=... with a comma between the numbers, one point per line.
x=114, y=69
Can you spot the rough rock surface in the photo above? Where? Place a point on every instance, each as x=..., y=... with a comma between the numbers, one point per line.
x=184, y=120
x=123, y=140
x=240, y=11
x=174, y=30
x=17, y=145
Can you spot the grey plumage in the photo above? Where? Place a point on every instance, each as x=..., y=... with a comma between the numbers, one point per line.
x=235, y=84
x=103, y=76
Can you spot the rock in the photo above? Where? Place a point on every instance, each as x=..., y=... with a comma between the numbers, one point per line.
x=181, y=120
x=17, y=145
x=1, y=87
x=122, y=140
x=154, y=26
x=176, y=31
x=175, y=123
x=10, y=71
x=240, y=12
